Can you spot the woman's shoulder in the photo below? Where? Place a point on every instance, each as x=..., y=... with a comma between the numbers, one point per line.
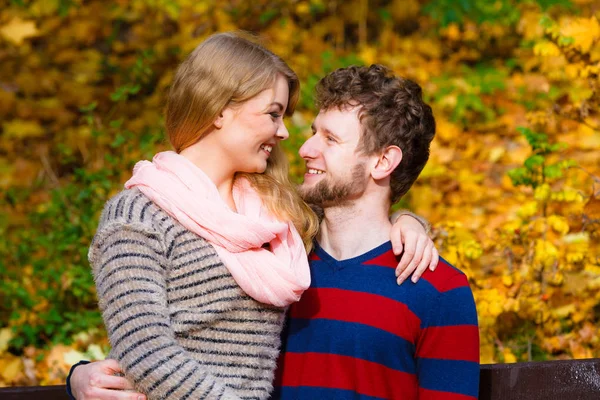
x=129, y=205
x=130, y=209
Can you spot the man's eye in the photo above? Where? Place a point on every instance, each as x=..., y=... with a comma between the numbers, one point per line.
x=330, y=139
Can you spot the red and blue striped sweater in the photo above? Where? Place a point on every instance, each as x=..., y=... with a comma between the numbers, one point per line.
x=356, y=334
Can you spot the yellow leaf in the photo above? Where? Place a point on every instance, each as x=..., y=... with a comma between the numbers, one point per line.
x=433, y=169
x=496, y=153
x=44, y=8
x=17, y=30
x=581, y=237
x=495, y=308
x=5, y=337
x=73, y=357
x=303, y=8
x=470, y=249
x=509, y=357
x=542, y=192
x=368, y=55
x=6, y=173
x=583, y=31
x=452, y=32
x=507, y=280
x=10, y=368
x=559, y=224
x=527, y=210
x=545, y=253
x=404, y=10
x=564, y=311
x=486, y=352
x=557, y=279
x=546, y=49
x=19, y=129
x=446, y=130
x=95, y=352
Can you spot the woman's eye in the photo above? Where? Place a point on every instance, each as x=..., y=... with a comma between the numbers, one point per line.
x=275, y=115
x=330, y=139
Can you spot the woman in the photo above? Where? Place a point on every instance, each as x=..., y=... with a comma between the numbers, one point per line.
x=192, y=262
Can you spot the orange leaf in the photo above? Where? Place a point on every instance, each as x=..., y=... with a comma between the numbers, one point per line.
x=592, y=208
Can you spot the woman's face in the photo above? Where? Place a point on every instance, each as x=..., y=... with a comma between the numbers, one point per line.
x=248, y=132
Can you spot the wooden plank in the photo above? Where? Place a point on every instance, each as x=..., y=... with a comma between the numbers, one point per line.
x=549, y=380
x=560, y=380
x=58, y=392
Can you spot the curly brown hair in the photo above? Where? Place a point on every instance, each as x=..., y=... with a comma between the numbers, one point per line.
x=392, y=113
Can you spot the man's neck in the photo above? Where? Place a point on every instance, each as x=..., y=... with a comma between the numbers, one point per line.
x=351, y=230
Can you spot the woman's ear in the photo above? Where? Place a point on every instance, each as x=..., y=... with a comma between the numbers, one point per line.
x=387, y=162
x=218, y=123
x=225, y=116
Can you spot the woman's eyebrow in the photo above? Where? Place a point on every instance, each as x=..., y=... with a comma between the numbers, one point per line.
x=279, y=105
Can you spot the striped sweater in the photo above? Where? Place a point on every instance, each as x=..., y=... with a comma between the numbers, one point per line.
x=178, y=323
x=356, y=335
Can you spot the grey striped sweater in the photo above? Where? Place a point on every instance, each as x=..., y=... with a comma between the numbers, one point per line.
x=178, y=323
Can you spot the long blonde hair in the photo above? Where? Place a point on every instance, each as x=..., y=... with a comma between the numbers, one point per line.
x=228, y=69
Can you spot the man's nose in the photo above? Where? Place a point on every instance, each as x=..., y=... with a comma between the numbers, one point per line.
x=308, y=149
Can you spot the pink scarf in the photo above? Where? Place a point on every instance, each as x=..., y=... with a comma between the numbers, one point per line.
x=183, y=191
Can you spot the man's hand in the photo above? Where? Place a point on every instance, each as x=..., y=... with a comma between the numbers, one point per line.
x=96, y=381
x=409, y=235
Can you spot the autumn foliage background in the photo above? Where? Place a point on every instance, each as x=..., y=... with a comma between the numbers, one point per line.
x=511, y=188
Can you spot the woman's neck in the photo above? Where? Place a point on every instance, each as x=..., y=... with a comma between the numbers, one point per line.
x=209, y=163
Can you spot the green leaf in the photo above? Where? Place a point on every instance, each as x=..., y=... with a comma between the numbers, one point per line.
x=118, y=94
x=546, y=21
x=385, y=14
x=518, y=175
x=90, y=107
x=135, y=88
x=553, y=171
x=534, y=161
x=267, y=16
x=116, y=123
x=565, y=41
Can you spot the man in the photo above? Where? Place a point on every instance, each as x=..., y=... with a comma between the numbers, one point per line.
x=354, y=334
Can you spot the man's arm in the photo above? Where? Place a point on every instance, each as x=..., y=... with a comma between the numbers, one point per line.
x=448, y=347
x=409, y=236
x=97, y=381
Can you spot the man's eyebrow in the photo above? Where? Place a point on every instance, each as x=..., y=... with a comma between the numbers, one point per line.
x=324, y=130
x=331, y=133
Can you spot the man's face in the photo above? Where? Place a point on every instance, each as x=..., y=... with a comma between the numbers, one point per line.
x=335, y=173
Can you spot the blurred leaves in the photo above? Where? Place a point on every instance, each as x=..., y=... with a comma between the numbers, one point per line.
x=18, y=30
x=512, y=185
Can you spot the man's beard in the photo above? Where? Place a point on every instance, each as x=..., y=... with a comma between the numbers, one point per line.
x=335, y=192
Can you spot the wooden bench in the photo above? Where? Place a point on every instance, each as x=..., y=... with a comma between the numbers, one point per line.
x=549, y=380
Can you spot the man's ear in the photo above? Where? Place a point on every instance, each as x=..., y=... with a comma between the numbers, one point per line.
x=387, y=162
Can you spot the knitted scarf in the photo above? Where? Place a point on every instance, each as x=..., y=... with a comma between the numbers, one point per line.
x=278, y=275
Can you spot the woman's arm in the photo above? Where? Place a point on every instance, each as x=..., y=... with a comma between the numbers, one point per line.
x=129, y=270
x=409, y=236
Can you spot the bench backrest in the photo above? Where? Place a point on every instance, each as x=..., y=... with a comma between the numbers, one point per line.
x=549, y=380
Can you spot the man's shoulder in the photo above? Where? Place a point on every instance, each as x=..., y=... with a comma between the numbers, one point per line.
x=446, y=277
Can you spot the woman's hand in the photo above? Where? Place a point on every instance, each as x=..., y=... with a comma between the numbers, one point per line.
x=96, y=381
x=409, y=238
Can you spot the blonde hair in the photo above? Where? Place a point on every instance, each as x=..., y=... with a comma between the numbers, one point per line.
x=228, y=69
